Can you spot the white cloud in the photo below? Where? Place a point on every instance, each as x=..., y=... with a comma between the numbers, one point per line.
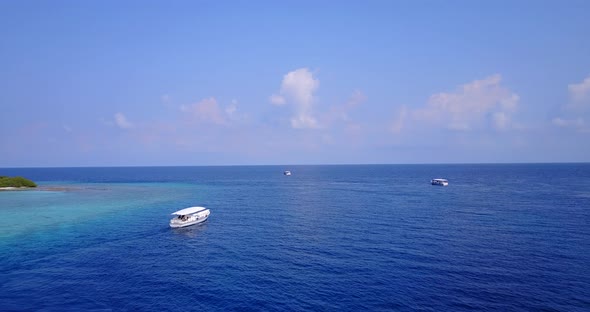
x=122, y=122
x=277, y=100
x=340, y=112
x=355, y=100
x=575, y=113
x=297, y=88
x=300, y=85
x=303, y=121
x=235, y=115
x=231, y=109
x=580, y=95
x=475, y=104
x=560, y=122
x=501, y=120
x=206, y=110
x=580, y=91
x=398, y=123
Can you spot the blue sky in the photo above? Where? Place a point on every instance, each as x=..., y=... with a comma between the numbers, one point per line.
x=116, y=83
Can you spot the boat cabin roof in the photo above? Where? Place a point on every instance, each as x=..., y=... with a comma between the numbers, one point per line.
x=440, y=180
x=190, y=210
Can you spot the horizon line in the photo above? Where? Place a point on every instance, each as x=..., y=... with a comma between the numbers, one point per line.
x=286, y=165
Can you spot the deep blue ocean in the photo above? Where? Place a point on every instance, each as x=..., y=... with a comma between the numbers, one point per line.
x=510, y=237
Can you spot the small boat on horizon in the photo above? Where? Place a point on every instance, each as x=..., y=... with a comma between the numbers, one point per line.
x=189, y=216
x=287, y=173
x=441, y=182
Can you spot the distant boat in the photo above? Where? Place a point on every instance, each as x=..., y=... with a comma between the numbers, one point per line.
x=287, y=172
x=189, y=216
x=441, y=182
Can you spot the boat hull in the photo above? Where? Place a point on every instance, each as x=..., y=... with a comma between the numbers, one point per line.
x=439, y=182
x=188, y=220
x=187, y=223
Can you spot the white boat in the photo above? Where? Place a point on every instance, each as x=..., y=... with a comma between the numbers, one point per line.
x=441, y=182
x=287, y=172
x=189, y=216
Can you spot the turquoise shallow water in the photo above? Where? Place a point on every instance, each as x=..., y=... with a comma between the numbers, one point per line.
x=500, y=237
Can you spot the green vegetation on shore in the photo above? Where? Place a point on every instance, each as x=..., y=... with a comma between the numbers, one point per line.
x=16, y=182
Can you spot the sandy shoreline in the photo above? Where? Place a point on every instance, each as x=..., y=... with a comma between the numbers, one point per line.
x=39, y=188
x=12, y=188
